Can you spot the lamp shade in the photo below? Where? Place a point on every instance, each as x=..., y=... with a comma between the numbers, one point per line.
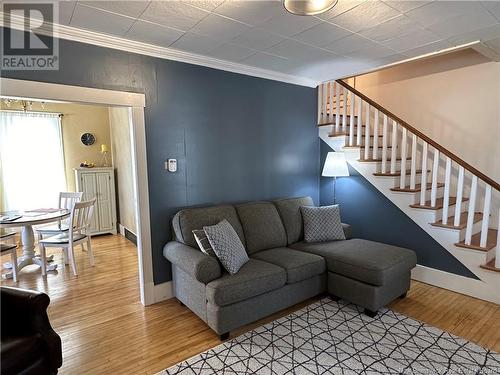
x=335, y=165
x=308, y=7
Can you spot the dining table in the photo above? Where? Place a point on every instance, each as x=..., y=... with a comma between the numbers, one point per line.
x=26, y=220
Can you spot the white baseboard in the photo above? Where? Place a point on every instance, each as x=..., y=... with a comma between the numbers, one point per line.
x=460, y=284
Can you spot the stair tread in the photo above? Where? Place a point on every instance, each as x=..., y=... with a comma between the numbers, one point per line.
x=490, y=266
x=375, y=160
x=478, y=216
x=418, y=187
x=396, y=174
x=439, y=203
x=476, y=238
x=339, y=134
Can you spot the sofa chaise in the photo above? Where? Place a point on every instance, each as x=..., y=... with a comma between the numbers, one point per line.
x=283, y=269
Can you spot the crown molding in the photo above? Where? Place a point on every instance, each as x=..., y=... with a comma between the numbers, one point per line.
x=122, y=44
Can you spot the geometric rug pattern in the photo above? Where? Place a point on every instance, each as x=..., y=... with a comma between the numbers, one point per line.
x=329, y=337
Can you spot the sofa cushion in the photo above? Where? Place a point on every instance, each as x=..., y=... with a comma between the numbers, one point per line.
x=262, y=226
x=298, y=265
x=322, y=224
x=289, y=210
x=185, y=221
x=254, y=278
x=371, y=262
x=203, y=243
x=227, y=246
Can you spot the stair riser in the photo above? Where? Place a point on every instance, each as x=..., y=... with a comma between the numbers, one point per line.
x=490, y=255
x=451, y=210
x=476, y=228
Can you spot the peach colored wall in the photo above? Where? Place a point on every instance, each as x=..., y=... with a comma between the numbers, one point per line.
x=454, y=99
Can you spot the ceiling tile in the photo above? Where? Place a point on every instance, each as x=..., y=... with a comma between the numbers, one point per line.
x=428, y=48
x=322, y=34
x=251, y=12
x=372, y=53
x=231, y=52
x=365, y=16
x=341, y=7
x=287, y=24
x=294, y=50
x=407, y=41
x=392, y=28
x=173, y=14
x=99, y=20
x=209, y=5
x=440, y=11
x=493, y=7
x=349, y=44
x=127, y=8
x=406, y=5
x=195, y=43
x=485, y=34
x=154, y=34
x=220, y=28
x=266, y=61
x=66, y=9
x=257, y=39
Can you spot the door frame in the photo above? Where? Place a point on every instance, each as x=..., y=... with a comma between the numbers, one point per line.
x=136, y=103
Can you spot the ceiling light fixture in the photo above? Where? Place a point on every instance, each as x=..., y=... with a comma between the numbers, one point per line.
x=308, y=7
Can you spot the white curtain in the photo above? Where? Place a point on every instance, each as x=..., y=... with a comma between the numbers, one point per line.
x=31, y=160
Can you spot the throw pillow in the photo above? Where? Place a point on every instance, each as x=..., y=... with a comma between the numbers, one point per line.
x=203, y=243
x=322, y=224
x=227, y=246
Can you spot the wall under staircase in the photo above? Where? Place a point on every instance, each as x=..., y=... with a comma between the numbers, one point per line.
x=450, y=200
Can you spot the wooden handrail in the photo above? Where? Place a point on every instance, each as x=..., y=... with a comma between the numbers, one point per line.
x=495, y=185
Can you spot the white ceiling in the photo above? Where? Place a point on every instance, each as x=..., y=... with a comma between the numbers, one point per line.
x=355, y=36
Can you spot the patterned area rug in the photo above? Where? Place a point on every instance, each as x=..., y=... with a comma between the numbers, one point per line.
x=330, y=337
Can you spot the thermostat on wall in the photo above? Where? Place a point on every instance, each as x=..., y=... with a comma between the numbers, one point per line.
x=171, y=165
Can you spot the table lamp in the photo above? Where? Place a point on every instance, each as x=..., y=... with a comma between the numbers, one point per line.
x=104, y=159
x=335, y=166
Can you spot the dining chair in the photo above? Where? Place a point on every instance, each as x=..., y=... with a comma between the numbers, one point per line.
x=6, y=247
x=67, y=199
x=77, y=234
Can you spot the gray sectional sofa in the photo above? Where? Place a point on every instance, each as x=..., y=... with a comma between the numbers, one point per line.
x=283, y=269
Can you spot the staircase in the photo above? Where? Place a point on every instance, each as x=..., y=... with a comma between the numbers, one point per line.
x=452, y=201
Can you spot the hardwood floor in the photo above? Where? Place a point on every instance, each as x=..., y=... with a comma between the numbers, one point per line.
x=105, y=329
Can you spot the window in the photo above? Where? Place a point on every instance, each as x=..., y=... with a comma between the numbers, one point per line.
x=31, y=160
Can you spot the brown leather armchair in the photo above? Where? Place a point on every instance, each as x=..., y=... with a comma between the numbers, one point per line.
x=29, y=345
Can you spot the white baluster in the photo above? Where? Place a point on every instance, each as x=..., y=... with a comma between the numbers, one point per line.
x=394, y=145
x=404, y=141
x=367, y=132
x=497, y=251
x=320, y=102
x=423, y=179
x=460, y=194
x=435, y=170
x=486, y=217
x=337, y=109
x=359, y=122
x=413, y=169
x=446, y=196
x=325, y=102
x=344, y=109
x=384, y=145
x=375, y=135
x=351, y=120
x=472, y=209
x=332, y=98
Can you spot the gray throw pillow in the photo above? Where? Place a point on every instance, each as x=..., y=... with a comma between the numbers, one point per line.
x=203, y=243
x=322, y=224
x=227, y=246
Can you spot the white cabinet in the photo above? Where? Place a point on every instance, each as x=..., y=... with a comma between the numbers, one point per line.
x=99, y=183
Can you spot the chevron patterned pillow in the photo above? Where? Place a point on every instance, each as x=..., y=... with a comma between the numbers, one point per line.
x=202, y=240
x=227, y=246
x=322, y=224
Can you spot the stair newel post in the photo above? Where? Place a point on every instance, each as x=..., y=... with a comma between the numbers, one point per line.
x=446, y=196
x=384, y=145
x=351, y=119
x=359, y=122
x=486, y=217
x=404, y=141
x=394, y=144
x=344, y=108
x=460, y=193
x=375, y=134
x=413, y=169
x=320, y=102
x=435, y=170
x=471, y=210
x=337, y=108
x=367, y=132
x=423, y=179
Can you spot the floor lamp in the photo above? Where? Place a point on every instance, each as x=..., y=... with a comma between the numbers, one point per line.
x=335, y=166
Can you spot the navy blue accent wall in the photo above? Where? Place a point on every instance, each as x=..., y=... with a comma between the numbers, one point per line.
x=236, y=138
x=376, y=218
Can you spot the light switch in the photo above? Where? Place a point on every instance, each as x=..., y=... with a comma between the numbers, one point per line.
x=171, y=165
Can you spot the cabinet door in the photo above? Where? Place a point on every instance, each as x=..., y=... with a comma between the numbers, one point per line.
x=104, y=201
x=88, y=185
